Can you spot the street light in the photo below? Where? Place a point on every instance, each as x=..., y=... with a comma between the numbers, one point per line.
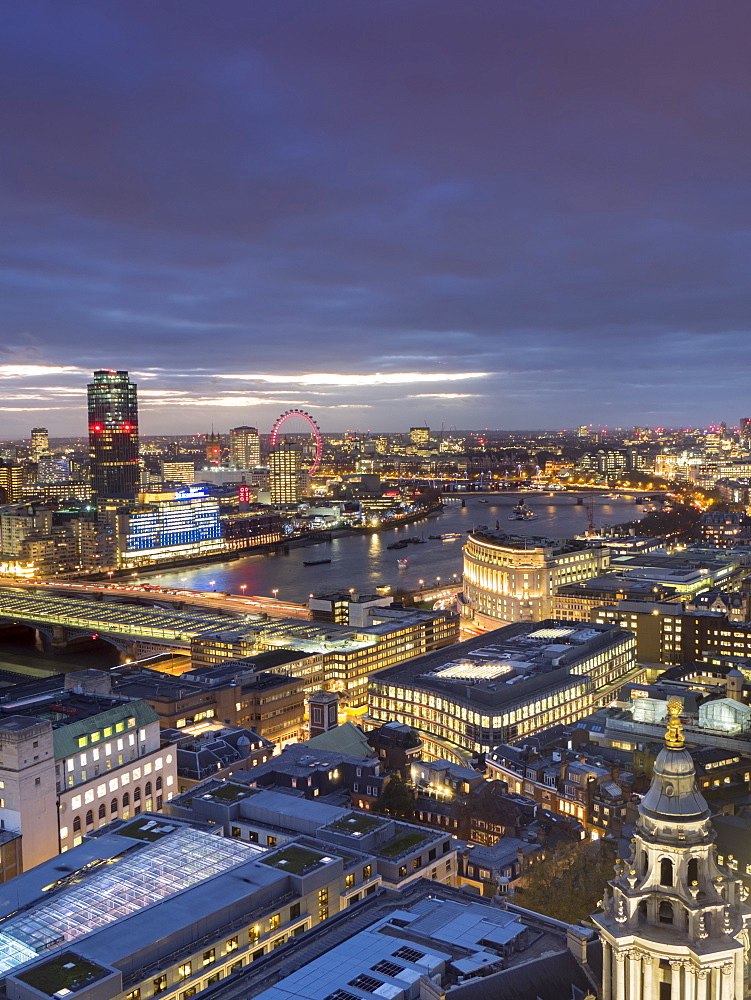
x=243, y=588
x=212, y=584
x=275, y=592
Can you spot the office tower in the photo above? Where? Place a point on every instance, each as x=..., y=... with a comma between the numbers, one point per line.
x=40, y=442
x=244, y=448
x=745, y=428
x=113, y=434
x=53, y=469
x=11, y=482
x=285, y=463
x=420, y=436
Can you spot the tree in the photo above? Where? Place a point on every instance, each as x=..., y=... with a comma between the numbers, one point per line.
x=569, y=882
x=397, y=798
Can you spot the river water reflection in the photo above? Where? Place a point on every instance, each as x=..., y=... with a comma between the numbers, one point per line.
x=364, y=562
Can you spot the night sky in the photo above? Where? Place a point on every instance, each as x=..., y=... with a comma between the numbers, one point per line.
x=470, y=214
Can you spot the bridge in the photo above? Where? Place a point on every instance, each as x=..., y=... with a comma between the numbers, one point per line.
x=130, y=628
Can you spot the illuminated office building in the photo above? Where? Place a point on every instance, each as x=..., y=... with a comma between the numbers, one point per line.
x=244, y=448
x=504, y=685
x=285, y=466
x=113, y=434
x=188, y=525
x=511, y=578
x=40, y=442
x=419, y=436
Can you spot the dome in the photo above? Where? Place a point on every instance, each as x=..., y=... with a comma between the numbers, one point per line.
x=674, y=794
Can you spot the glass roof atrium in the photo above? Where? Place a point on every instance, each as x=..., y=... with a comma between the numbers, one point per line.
x=114, y=619
x=122, y=887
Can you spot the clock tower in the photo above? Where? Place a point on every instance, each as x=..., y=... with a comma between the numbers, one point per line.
x=676, y=925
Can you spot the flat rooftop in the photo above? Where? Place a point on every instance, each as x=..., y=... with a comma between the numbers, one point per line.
x=559, y=546
x=501, y=665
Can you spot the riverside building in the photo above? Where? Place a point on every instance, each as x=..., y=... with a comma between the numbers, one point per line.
x=504, y=685
x=508, y=578
x=113, y=434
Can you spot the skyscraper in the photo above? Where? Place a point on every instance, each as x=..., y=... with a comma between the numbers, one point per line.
x=285, y=465
x=244, y=448
x=113, y=434
x=40, y=442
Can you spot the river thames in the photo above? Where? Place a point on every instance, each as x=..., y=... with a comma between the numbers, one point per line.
x=363, y=562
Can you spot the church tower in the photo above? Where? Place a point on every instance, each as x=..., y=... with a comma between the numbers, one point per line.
x=676, y=926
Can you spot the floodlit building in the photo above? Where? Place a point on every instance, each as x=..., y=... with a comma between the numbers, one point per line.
x=674, y=923
x=511, y=578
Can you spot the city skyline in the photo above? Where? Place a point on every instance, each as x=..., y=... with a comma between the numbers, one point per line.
x=516, y=216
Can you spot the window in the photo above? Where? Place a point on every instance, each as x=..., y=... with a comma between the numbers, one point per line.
x=134, y=994
x=76, y=824
x=190, y=992
x=367, y=872
x=160, y=984
x=349, y=881
x=693, y=871
x=294, y=912
x=137, y=795
x=158, y=783
x=213, y=979
x=665, y=912
x=274, y=921
x=147, y=789
x=209, y=957
x=416, y=862
x=126, y=800
x=231, y=946
x=388, y=968
x=113, y=806
x=402, y=871
x=185, y=971
x=102, y=811
x=89, y=817
x=666, y=873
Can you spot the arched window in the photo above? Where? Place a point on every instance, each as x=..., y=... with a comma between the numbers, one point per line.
x=102, y=811
x=666, y=872
x=692, y=873
x=126, y=800
x=77, y=824
x=665, y=912
x=113, y=806
x=89, y=817
x=147, y=789
x=158, y=783
x=642, y=910
x=643, y=865
x=137, y=795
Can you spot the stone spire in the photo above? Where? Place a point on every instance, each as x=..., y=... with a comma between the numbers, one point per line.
x=676, y=925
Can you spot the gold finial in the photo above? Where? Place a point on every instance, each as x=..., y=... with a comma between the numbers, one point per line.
x=674, y=734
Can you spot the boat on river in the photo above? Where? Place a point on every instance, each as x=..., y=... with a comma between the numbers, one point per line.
x=521, y=512
x=315, y=562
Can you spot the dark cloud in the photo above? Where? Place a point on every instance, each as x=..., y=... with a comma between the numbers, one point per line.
x=553, y=194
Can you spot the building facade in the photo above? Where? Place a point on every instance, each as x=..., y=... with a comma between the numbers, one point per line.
x=113, y=434
x=510, y=578
x=506, y=684
x=674, y=924
x=244, y=448
x=285, y=468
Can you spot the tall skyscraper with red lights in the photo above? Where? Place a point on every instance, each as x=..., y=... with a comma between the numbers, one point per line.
x=113, y=434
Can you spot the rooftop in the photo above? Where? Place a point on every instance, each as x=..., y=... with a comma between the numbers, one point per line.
x=505, y=664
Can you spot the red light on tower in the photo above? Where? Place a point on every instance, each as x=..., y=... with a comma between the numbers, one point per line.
x=96, y=427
